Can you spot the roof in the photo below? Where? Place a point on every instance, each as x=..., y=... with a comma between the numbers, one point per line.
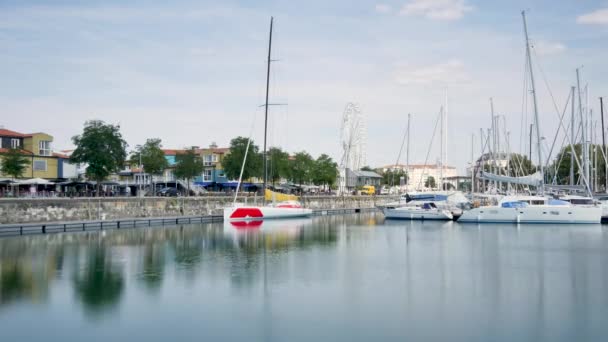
x=169, y=152
x=5, y=150
x=61, y=155
x=368, y=174
x=9, y=133
x=219, y=150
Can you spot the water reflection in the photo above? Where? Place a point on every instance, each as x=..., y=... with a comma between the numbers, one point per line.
x=338, y=273
x=99, y=283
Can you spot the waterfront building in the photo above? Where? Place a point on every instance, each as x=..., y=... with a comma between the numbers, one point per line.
x=212, y=160
x=37, y=147
x=419, y=174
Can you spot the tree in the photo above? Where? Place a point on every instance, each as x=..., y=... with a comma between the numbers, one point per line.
x=233, y=161
x=324, y=171
x=430, y=182
x=393, y=177
x=151, y=157
x=367, y=168
x=188, y=165
x=301, y=167
x=520, y=165
x=102, y=148
x=564, y=159
x=14, y=163
x=278, y=164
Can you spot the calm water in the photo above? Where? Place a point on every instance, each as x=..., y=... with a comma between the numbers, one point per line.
x=339, y=278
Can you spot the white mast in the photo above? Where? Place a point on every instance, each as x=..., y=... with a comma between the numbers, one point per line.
x=538, y=143
x=441, y=119
x=445, y=140
x=407, y=156
x=584, y=131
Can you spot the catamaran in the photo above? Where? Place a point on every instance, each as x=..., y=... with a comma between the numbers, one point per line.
x=531, y=209
x=285, y=209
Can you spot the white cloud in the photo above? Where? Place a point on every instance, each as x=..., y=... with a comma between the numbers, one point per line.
x=383, y=8
x=437, y=9
x=443, y=73
x=598, y=17
x=544, y=48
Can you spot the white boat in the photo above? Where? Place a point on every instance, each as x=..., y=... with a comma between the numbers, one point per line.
x=603, y=202
x=288, y=209
x=452, y=201
x=533, y=209
x=423, y=211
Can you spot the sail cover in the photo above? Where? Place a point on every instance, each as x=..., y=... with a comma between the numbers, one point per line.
x=533, y=179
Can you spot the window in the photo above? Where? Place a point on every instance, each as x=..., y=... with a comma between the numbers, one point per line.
x=214, y=158
x=15, y=143
x=207, y=176
x=44, y=147
x=39, y=165
x=207, y=160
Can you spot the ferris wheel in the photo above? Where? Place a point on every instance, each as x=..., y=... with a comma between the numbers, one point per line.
x=353, y=138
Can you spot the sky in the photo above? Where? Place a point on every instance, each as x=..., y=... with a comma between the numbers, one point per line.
x=193, y=72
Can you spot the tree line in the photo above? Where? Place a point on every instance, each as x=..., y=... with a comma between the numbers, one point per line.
x=300, y=168
x=103, y=149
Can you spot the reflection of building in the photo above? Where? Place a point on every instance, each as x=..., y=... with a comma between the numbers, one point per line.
x=37, y=148
x=420, y=173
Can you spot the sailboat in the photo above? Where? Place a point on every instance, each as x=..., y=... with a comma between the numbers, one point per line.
x=285, y=209
x=531, y=209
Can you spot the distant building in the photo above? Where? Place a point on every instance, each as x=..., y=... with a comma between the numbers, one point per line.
x=357, y=178
x=212, y=160
x=419, y=173
x=44, y=163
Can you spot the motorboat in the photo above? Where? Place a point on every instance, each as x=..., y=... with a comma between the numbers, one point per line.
x=423, y=211
x=533, y=209
x=453, y=201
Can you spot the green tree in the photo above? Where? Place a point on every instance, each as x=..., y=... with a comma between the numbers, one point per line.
x=151, y=157
x=367, y=168
x=278, y=164
x=430, y=182
x=564, y=159
x=233, y=161
x=102, y=148
x=301, y=167
x=520, y=165
x=14, y=163
x=188, y=165
x=393, y=177
x=324, y=171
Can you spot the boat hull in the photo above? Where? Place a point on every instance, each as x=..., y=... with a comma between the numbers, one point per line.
x=534, y=214
x=406, y=213
x=255, y=213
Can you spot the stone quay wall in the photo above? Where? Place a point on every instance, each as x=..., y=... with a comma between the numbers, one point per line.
x=15, y=211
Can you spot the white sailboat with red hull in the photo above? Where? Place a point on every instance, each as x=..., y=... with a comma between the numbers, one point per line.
x=280, y=210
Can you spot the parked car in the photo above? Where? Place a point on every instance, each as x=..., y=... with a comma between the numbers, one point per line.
x=167, y=192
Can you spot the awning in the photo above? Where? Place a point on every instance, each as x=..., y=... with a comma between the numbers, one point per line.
x=34, y=181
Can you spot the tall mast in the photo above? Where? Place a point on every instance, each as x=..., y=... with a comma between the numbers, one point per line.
x=445, y=130
x=538, y=142
x=604, y=144
x=494, y=129
x=442, y=113
x=266, y=108
x=572, y=120
x=407, y=156
x=473, y=163
x=584, y=132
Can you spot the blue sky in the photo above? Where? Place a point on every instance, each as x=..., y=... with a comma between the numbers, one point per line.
x=192, y=72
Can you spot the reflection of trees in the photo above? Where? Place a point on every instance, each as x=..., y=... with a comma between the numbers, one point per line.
x=97, y=285
x=16, y=282
x=154, y=265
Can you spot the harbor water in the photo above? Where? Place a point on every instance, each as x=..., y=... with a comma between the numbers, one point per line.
x=332, y=278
